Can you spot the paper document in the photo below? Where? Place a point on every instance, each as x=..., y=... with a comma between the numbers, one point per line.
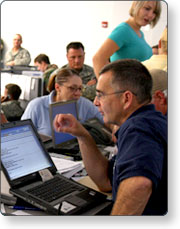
x=112, y=150
x=64, y=165
x=19, y=212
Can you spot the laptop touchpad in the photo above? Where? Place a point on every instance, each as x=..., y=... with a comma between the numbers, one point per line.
x=76, y=200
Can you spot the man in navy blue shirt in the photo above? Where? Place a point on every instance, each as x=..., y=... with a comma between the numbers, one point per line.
x=137, y=175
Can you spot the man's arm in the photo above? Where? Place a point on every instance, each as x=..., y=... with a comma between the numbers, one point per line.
x=132, y=196
x=10, y=63
x=3, y=117
x=95, y=163
x=25, y=58
x=8, y=58
x=91, y=82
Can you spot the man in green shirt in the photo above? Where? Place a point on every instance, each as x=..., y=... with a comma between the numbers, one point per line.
x=43, y=64
x=76, y=56
x=17, y=55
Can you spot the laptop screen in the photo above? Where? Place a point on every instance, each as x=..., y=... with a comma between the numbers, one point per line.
x=20, y=148
x=62, y=108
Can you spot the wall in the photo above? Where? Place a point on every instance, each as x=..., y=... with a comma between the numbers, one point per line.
x=48, y=26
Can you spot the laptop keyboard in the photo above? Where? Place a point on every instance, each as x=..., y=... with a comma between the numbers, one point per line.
x=54, y=189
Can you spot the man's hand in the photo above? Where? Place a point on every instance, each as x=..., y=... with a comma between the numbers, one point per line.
x=67, y=123
x=5, y=99
x=91, y=82
x=10, y=63
x=95, y=162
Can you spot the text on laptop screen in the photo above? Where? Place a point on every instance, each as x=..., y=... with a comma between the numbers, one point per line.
x=20, y=148
x=69, y=107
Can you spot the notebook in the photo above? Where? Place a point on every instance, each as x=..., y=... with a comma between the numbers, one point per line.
x=61, y=140
x=29, y=170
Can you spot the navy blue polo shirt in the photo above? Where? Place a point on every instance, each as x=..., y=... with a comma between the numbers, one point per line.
x=142, y=151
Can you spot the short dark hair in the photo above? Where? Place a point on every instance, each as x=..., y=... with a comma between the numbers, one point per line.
x=155, y=47
x=130, y=74
x=13, y=90
x=42, y=57
x=74, y=45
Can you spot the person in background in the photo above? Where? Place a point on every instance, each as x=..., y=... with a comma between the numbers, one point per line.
x=127, y=39
x=1, y=50
x=159, y=61
x=42, y=63
x=137, y=174
x=76, y=56
x=17, y=55
x=65, y=86
x=159, y=90
x=10, y=104
x=155, y=49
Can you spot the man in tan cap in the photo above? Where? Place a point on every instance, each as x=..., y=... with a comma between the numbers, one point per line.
x=159, y=90
x=159, y=61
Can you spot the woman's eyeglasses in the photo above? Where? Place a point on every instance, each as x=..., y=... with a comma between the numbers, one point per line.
x=73, y=89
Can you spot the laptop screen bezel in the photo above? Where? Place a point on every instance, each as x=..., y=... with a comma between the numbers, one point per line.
x=51, y=106
x=35, y=175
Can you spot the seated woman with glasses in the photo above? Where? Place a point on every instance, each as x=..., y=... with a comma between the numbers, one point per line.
x=65, y=85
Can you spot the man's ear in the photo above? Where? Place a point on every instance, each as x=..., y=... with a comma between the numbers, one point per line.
x=160, y=95
x=159, y=45
x=127, y=99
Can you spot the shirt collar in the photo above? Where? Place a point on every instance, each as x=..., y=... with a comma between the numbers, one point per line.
x=51, y=95
x=142, y=109
x=82, y=69
x=139, y=110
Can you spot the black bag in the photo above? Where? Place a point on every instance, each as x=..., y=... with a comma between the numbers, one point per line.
x=99, y=132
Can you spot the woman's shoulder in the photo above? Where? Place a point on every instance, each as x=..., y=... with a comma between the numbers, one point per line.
x=39, y=101
x=86, y=103
x=83, y=100
x=122, y=29
x=123, y=26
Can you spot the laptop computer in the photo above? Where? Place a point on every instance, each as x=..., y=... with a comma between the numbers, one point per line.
x=62, y=139
x=63, y=143
x=29, y=170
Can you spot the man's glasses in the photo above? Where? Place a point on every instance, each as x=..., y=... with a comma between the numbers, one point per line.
x=73, y=89
x=100, y=95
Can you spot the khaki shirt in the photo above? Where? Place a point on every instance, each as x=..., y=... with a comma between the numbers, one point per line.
x=21, y=57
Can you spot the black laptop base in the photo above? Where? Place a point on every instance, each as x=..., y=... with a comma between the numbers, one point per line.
x=83, y=201
x=103, y=209
x=33, y=176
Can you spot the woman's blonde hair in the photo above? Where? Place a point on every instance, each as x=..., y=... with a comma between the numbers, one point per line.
x=137, y=5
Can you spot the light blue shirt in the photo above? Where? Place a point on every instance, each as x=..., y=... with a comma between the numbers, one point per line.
x=130, y=44
x=38, y=111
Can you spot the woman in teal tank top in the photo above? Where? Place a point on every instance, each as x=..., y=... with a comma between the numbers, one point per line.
x=127, y=40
